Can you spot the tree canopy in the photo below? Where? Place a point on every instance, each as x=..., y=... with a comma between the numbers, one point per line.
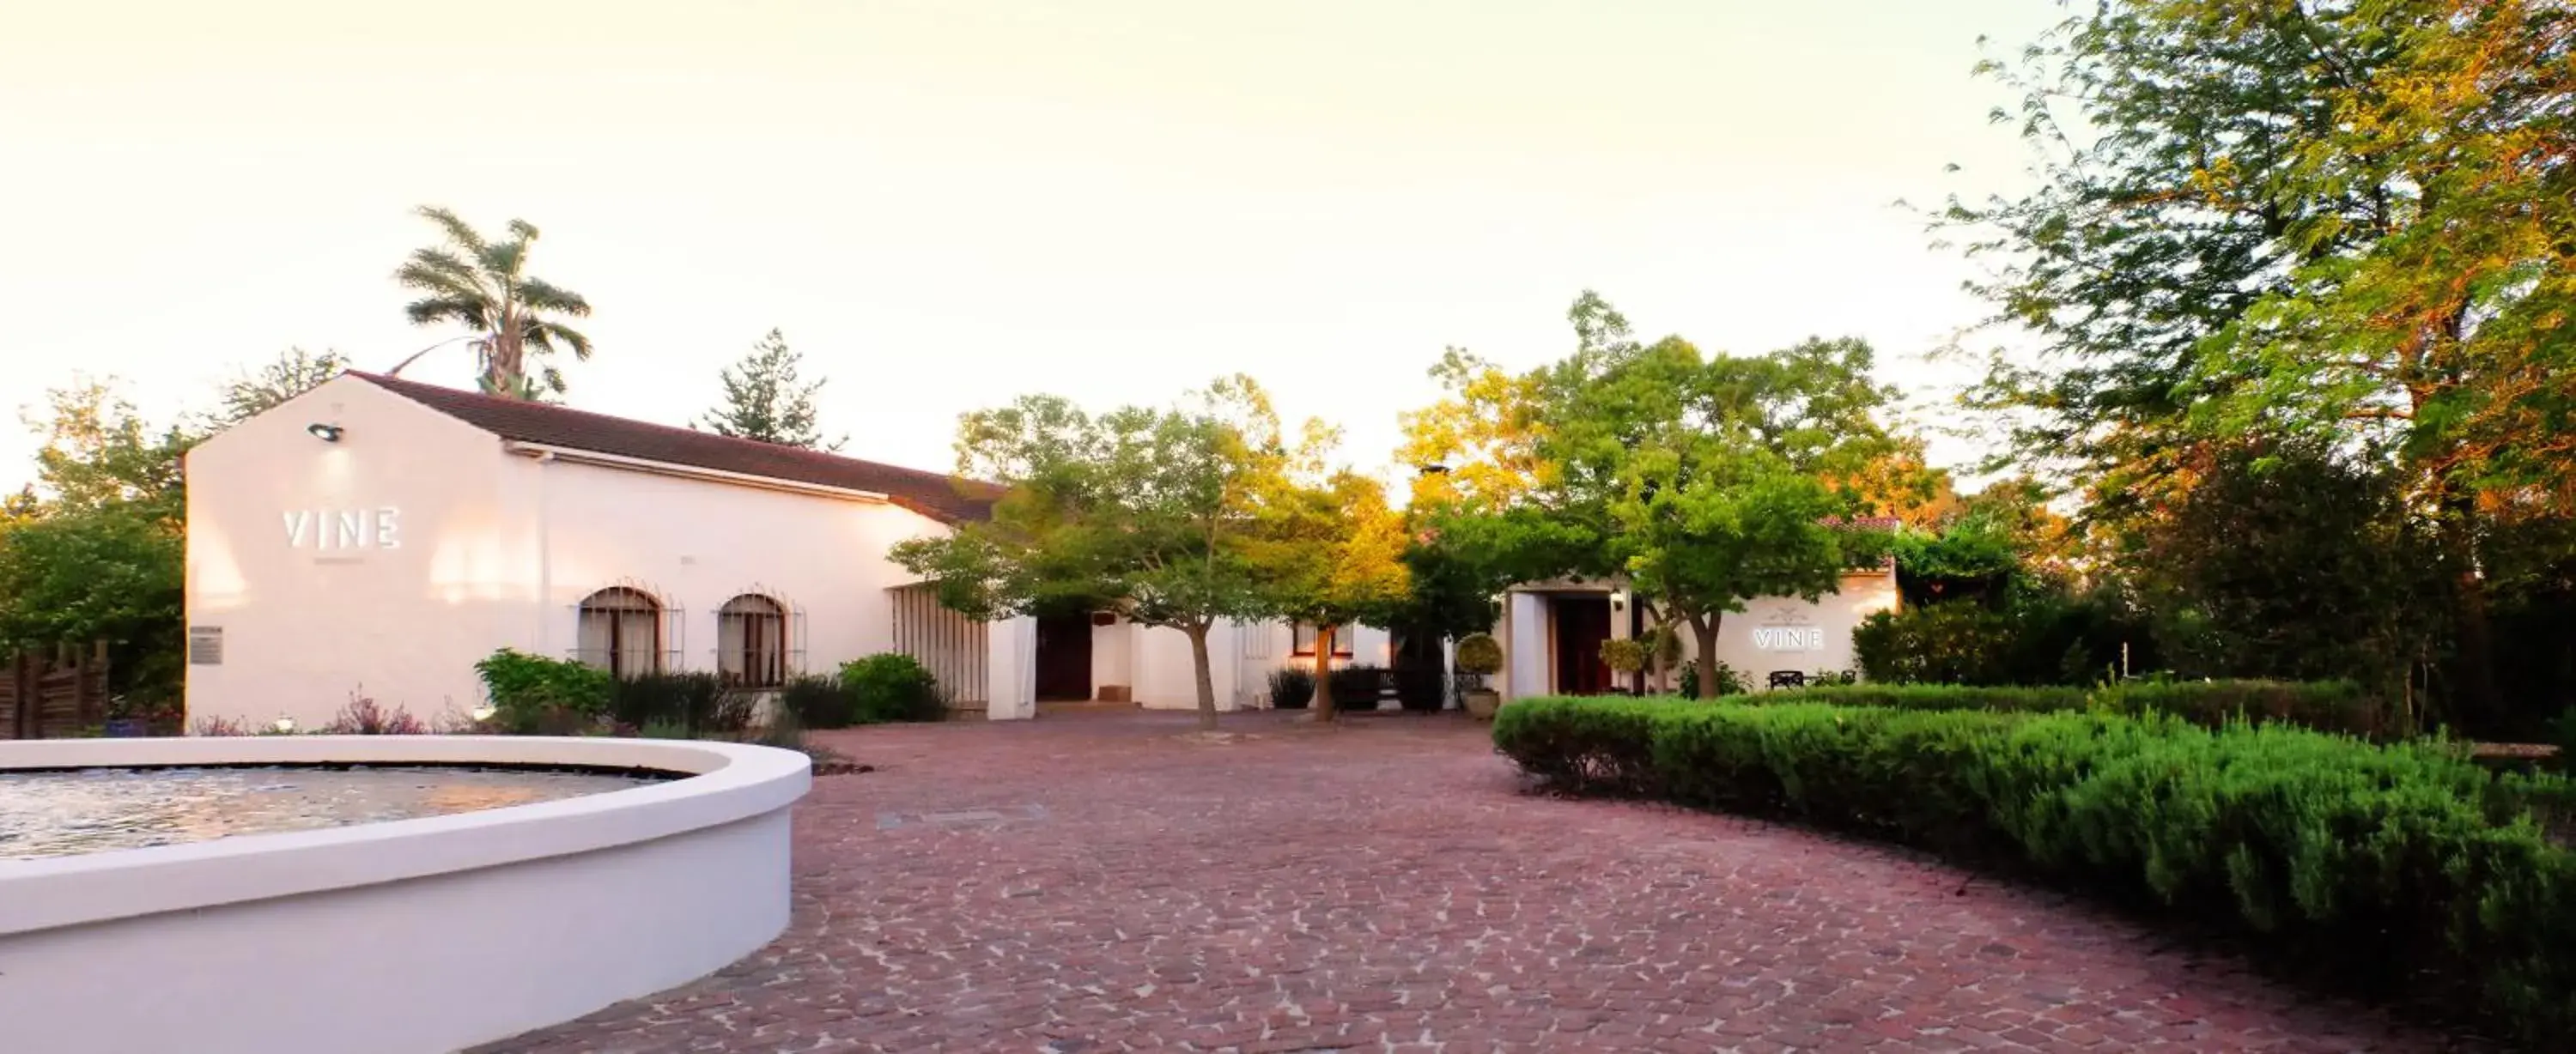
x=1146, y=510
x=765, y=399
x=292, y=373
x=2325, y=226
x=1328, y=552
x=99, y=554
x=1705, y=481
x=515, y=319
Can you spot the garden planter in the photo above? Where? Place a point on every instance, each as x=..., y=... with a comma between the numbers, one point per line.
x=1481, y=702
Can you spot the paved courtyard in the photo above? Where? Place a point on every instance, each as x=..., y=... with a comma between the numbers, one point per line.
x=1104, y=883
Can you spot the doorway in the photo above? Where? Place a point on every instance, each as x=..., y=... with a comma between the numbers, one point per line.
x=1582, y=624
x=1064, y=658
x=1420, y=668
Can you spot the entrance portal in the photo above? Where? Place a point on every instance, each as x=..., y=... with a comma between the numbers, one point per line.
x=1582, y=624
x=1064, y=658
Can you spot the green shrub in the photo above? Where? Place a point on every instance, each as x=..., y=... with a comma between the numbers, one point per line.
x=1623, y=655
x=2396, y=865
x=1358, y=686
x=2328, y=706
x=891, y=687
x=815, y=702
x=1729, y=680
x=1480, y=654
x=1961, y=642
x=1998, y=630
x=1422, y=688
x=1291, y=688
x=697, y=701
x=532, y=693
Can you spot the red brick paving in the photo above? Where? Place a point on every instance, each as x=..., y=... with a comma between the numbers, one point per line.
x=1385, y=886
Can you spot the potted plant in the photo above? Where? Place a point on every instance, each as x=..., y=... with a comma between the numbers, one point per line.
x=1480, y=656
x=1624, y=657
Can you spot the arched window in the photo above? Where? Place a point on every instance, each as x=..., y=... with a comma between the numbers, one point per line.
x=621, y=631
x=751, y=641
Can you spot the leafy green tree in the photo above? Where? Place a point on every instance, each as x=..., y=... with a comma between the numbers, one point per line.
x=2288, y=561
x=112, y=574
x=291, y=374
x=1152, y=510
x=1707, y=481
x=98, y=551
x=99, y=453
x=2331, y=223
x=1972, y=555
x=1329, y=553
x=764, y=399
x=1724, y=476
x=515, y=318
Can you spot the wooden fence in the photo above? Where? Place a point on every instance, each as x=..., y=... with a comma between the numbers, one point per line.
x=53, y=696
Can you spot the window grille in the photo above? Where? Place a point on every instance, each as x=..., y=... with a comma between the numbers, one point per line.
x=621, y=630
x=751, y=642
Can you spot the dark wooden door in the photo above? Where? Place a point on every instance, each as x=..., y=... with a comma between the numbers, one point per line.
x=1582, y=623
x=1064, y=658
x=1420, y=669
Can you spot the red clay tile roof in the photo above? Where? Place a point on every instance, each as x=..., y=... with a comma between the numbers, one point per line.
x=947, y=499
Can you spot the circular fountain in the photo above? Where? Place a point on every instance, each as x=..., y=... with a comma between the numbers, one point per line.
x=395, y=894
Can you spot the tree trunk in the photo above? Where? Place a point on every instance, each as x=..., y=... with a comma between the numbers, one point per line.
x=1659, y=674
x=1198, y=633
x=1322, y=704
x=2479, y=707
x=1704, y=634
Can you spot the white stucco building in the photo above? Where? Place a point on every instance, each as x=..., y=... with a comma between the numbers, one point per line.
x=382, y=535
x=379, y=535
x=1551, y=633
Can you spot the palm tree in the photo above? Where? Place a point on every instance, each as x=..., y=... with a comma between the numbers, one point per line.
x=483, y=285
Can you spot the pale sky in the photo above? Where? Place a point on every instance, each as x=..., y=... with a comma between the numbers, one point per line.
x=946, y=204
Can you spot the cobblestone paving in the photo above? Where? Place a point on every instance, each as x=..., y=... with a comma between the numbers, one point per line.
x=1094, y=883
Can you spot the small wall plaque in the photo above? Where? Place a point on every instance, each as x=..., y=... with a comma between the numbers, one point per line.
x=205, y=645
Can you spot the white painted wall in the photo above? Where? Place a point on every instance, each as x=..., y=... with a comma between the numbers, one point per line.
x=1787, y=633
x=1771, y=633
x=698, y=544
x=1524, y=638
x=493, y=549
x=1011, y=669
x=304, y=626
x=1113, y=657
x=1166, y=678
x=1240, y=658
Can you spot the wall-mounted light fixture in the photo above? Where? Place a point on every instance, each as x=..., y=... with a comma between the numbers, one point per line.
x=1619, y=600
x=323, y=432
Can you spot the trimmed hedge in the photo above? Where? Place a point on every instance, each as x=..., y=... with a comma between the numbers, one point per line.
x=2327, y=706
x=2394, y=865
